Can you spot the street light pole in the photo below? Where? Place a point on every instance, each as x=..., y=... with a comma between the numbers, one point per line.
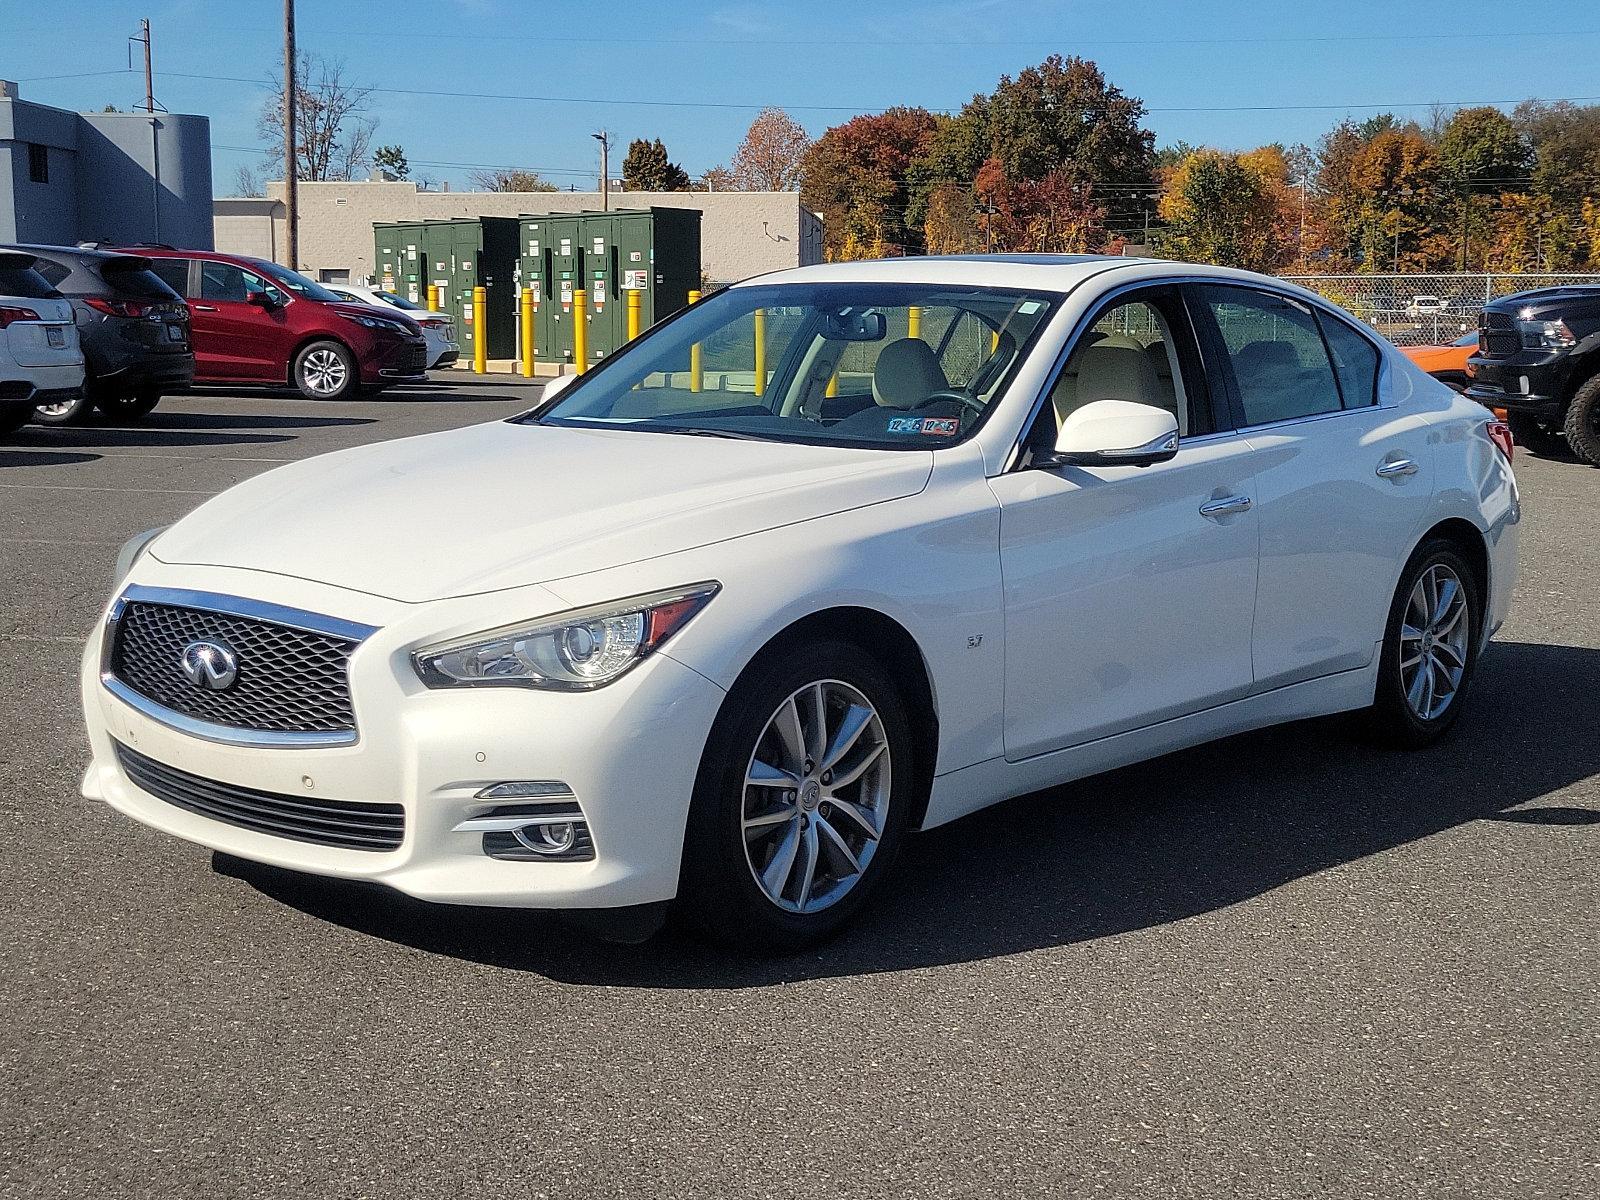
x=604, y=139
x=291, y=96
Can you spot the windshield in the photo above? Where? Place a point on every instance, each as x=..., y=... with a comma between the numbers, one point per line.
x=294, y=281
x=894, y=366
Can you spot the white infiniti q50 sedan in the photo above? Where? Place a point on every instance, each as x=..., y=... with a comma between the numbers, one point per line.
x=834, y=555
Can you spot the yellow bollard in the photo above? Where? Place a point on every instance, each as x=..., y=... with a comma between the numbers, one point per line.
x=528, y=348
x=635, y=311
x=433, y=297
x=480, y=331
x=580, y=330
x=761, y=351
x=696, y=375
x=832, y=389
x=914, y=322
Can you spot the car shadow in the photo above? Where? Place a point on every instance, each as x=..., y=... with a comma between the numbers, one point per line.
x=43, y=458
x=177, y=420
x=141, y=435
x=1150, y=844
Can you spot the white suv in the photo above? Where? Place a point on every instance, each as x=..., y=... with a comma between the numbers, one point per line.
x=40, y=362
x=437, y=328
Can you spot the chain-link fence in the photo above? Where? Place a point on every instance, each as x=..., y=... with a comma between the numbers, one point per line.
x=1425, y=310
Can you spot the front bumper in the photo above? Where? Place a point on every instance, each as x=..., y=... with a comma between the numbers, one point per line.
x=396, y=361
x=628, y=752
x=1532, y=382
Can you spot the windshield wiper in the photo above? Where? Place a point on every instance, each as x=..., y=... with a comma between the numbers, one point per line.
x=703, y=431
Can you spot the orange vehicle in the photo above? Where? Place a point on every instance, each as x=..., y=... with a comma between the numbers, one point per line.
x=1447, y=364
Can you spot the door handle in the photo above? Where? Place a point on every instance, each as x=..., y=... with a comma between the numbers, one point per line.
x=1225, y=507
x=204, y=307
x=1397, y=468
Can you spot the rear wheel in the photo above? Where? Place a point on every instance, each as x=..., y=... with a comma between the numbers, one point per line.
x=1583, y=423
x=802, y=799
x=77, y=411
x=326, y=371
x=128, y=408
x=1430, y=648
x=1540, y=436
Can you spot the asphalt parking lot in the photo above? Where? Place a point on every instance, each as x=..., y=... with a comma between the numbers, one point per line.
x=1284, y=965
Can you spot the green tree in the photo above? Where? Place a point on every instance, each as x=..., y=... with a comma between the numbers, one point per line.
x=956, y=149
x=648, y=169
x=391, y=160
x=1227, y=209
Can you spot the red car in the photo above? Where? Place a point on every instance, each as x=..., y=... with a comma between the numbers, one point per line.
x=253, y=321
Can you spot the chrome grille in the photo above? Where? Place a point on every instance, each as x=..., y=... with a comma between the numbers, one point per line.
x=342, y=823
x=290, y=680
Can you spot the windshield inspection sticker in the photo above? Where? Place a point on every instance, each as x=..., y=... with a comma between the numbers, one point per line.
x=935, y=426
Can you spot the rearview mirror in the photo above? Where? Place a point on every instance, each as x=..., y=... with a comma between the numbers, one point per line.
x=854, y=325
x=1114, y=433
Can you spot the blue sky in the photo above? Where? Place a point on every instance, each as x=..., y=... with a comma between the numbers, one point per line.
x=1232, y=74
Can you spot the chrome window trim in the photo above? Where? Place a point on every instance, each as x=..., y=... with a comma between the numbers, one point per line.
x=1385, y=400
x=232, y=606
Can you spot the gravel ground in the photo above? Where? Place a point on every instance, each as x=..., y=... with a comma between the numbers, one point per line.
x=1283, y=965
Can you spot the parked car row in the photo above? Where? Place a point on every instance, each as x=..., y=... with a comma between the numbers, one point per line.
x=112, y=330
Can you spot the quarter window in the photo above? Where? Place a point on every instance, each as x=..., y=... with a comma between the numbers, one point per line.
x=1355, y=360
x=1276, y=353
x=174, y=272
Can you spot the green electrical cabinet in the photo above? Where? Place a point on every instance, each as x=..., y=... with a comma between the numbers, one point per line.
x=654, y=251
x=456, y=256
x=399, y=261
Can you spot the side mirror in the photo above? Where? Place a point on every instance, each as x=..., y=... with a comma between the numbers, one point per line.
x=259, y=299
x=1114, y=433
x=555, y=387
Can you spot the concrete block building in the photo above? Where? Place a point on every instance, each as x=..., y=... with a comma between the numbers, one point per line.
x=741, y=233
x=67, y=177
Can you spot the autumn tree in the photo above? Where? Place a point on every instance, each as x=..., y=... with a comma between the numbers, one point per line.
x=717, y=179
x=950, y=221
x=510, y=179
x=768, y=159
x=953, y=154
x=648, y=169
x=333, y=132
x=1397, y=224
x=854, y=176
x=1228, y=209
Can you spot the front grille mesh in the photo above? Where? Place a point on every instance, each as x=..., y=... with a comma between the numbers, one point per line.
x=290, y=680
x=341, y=823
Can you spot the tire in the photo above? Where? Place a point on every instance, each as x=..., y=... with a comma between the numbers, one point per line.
x=1543, y=438
x=736, y=831
x=14, y=416
x=1408, y=710
x=326, y=370
x=1583, y=422
x=128, y=408
x=78, y=411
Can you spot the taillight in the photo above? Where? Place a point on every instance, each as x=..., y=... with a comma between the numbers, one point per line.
x=117, y=308
x=1500, y=434
x=9, y=314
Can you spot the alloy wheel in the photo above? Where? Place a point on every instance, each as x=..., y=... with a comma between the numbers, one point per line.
x=816, y=796
x=59, y=409
x=324, y=372
x=1435, y=637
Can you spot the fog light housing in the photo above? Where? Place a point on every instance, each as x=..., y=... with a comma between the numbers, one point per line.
x=548, y=826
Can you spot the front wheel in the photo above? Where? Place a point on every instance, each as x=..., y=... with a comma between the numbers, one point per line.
x=1583, y=423
x=1429, y=648
x=326, y=371
x=802, y=799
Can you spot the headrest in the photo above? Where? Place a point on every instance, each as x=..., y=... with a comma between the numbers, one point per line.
x=1117, y=372
x=907, y=373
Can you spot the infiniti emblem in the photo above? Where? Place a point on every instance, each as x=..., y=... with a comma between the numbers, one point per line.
x=209, y=665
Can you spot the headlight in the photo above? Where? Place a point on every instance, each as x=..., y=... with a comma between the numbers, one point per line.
x=1546, y=335
x=572, y=651
x=376, y=323
x=132, y=549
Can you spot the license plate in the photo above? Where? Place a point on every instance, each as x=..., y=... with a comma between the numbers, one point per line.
x=55, y=336
x=174, y=333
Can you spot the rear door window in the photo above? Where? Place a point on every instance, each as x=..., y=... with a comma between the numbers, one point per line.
x=25, y=282
x=174, y=272
x=139, y=281
x=1274, y=352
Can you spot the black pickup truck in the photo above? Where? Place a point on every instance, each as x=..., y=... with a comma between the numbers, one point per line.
x=1539, y=359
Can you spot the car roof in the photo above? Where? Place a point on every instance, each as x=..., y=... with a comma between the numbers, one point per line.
x=82, y=254
x=1049, y=272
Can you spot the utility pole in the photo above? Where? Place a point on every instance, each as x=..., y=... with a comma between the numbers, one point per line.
x=143, y=37
x=604, y=139
x=291, y=97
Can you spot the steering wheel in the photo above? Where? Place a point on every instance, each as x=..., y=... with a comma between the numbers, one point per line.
x=965, y=399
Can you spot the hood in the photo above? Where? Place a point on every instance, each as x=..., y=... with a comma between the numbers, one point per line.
x=503, y=505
